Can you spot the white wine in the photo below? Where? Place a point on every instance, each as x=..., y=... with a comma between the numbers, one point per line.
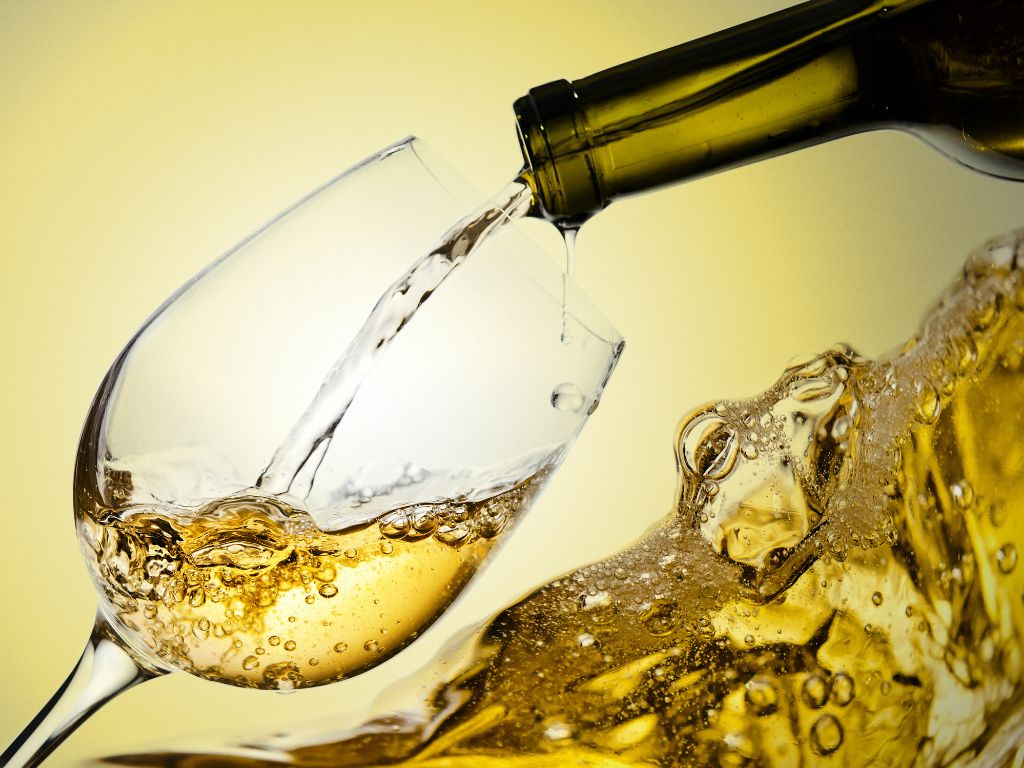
x=838, y=584
x=249, y=591
x=293, y=467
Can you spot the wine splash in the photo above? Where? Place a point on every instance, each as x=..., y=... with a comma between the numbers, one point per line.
x=838, y=583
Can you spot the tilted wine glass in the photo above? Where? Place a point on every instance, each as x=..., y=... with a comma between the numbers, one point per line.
x=255, y=509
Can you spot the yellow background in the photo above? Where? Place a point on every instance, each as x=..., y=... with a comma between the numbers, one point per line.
x=138, y=140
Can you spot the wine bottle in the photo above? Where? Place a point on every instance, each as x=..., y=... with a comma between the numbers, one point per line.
x=948, y=71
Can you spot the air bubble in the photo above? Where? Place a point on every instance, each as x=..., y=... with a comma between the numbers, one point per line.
x=761, y=696
x=327, y=590
x=599, y=607
x=708, y=446
x=250, y=663
x=424, y=520
x=660, y=619
x=814, y=387
x=372, y=646
x=310, y=599
x=557, y=732
x=567, y=397
x=962, y=493
x=285, y=676
x=826, y=735
x=454, y=535
x=340, y=647
x=815, y=691
x=326, y=573
x=387, y=547
x=842, y=689
x=876, y=598
x=290, y=645
x=738, y=749
x=351, y=553
x=838, y=548
x=274, y=640
x=841, y=428
x=395, y=525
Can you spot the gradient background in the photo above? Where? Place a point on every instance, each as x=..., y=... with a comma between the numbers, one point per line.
x=138, y=140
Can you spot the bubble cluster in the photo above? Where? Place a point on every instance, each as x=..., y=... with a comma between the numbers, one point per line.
x=456, y=524
x=249, y=591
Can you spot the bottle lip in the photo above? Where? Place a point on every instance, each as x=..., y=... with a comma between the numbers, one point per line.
x=528, y=172
x=540, y=169
x=557, y=147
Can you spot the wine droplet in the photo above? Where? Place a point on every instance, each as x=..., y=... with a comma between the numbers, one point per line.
x=567, y=397
x=569, y=236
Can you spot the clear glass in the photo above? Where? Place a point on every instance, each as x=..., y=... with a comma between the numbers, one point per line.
x=477, y=399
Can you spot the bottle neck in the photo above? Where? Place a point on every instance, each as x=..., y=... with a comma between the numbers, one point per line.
x=790, y=80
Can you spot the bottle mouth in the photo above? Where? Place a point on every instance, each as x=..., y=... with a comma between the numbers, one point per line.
x=558, y=148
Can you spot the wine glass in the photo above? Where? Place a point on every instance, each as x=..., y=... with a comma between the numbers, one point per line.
x=286, y=476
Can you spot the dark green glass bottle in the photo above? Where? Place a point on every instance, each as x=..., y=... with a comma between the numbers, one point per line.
x=949, y=71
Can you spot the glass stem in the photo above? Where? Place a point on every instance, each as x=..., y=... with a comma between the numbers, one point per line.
x=104, y=670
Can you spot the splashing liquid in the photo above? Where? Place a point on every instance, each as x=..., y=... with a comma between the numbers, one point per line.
x=295, y=462
x=837, y=585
